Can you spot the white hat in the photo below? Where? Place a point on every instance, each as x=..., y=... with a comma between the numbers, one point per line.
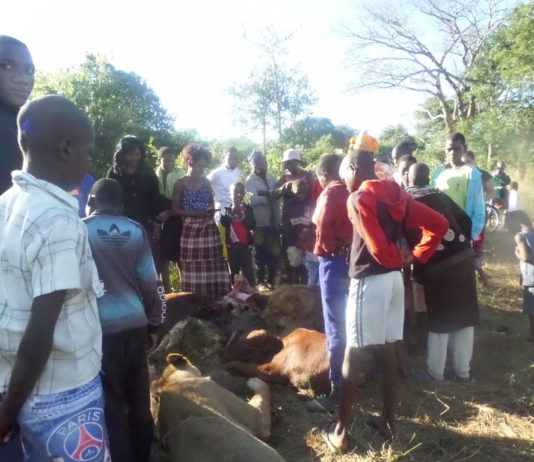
x=291, y=154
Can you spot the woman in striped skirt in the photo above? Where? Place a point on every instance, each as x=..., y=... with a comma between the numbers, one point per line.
x=202, y=265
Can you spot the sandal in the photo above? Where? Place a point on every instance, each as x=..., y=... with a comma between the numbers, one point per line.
x=327, y=428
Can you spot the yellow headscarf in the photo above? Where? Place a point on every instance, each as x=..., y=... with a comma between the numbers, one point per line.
x=364, y=142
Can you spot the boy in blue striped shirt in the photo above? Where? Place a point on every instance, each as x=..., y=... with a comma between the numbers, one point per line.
x=131, y=308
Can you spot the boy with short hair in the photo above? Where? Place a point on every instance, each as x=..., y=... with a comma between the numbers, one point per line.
x=333, y=239
x=524, y=251
x=16, y=83
x=379, y=210
x=50, y=335
x=130, y=309
x=238, y=220
x=449, y=284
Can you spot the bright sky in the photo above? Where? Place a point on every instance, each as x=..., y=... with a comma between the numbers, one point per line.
x=191, y=52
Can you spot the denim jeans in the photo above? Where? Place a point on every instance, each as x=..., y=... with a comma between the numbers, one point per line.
x=68, y=426
x=334, y=282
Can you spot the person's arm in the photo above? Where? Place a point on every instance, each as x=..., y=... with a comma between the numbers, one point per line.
x=54, y=271
x=364, y=210
x=250, y=221
x=10, y=156
x=475, y=206
x=432, y=224
x=225, y=218
x=152, y=293
x=32, y=355
x=522, y=252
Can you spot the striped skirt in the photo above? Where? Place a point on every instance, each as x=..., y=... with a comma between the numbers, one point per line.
x=202, y=266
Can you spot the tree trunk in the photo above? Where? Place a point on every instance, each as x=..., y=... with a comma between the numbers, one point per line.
x=447, y=115
x=264, y=133
x=490, y=154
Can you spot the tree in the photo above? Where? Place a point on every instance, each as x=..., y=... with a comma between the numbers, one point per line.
x=393, y=135
x=116, y=102
x=502, y=79
x=426, y=46
x=275, y=94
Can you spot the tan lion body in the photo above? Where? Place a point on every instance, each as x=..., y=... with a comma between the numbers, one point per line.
x=199, y=420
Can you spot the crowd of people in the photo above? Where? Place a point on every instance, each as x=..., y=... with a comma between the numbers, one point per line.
x=393, y=249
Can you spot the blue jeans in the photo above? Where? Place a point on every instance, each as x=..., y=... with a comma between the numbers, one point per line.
x=67, y=426
x=334, y=282
x=313, y=273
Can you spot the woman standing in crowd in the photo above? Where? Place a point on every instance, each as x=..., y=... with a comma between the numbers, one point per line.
x=261, y=186
x=202, y=266
x=168, y=174
x=142, y=200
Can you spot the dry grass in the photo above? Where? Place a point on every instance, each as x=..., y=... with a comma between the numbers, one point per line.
x=490, y=420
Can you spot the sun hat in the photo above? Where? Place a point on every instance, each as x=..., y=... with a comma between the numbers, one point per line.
x=291, y=154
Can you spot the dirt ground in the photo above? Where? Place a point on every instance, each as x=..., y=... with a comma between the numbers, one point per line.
x=489, y=420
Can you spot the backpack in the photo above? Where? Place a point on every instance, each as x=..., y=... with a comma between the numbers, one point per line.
x=527, y=269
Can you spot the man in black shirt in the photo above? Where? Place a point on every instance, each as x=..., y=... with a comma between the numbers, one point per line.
x=16, y=83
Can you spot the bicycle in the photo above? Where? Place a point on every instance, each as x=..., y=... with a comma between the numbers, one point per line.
x=493, y=218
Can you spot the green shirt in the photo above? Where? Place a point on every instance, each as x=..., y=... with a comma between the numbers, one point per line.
x=454, y=182
x=167, y=180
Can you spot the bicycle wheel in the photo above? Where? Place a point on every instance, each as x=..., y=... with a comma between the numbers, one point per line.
x=493, y=218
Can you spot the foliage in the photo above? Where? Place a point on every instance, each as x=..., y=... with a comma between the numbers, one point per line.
x=276, y=93
x=117, y=103
x=502, y=80
x=393, y=135
x=392, y=51
x=305, y=133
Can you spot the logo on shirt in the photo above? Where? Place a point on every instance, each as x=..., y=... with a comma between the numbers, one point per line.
x=81, y=437
x=114, y=236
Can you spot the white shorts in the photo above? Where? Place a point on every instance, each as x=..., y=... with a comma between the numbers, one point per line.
x=375, y=310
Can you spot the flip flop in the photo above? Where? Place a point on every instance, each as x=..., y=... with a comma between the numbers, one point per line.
x=327, y=427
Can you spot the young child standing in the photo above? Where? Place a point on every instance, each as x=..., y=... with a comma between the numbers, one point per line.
x=238, y=220
x=525, y=252
x=50, y=335
x=130, y=309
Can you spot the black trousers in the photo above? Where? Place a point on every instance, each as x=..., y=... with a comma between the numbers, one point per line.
x=127, y=395
x=239, y=258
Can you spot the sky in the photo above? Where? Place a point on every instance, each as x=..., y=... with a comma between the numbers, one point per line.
x=191, y=52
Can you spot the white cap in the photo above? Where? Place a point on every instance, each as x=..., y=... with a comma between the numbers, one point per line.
x=291, y=154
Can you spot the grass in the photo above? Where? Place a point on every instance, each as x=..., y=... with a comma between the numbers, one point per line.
x=490, y=420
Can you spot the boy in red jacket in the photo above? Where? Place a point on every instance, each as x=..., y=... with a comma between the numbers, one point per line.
x=379, y=211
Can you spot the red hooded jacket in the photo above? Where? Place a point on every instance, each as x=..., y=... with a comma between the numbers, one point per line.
x=380, y=211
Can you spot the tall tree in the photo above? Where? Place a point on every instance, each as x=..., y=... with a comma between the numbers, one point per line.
x=425, y=46
x=117, y=103
x=276, y=93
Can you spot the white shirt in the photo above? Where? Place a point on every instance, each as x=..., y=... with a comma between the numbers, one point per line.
x=43, y=249
x=515, y=202
x=221, y=179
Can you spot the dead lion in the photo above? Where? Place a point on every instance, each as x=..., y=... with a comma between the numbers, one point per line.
x=197, y=419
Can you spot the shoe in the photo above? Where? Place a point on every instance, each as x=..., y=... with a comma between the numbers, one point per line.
x=423, y=376
x=323, y=403
x=464, y=380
